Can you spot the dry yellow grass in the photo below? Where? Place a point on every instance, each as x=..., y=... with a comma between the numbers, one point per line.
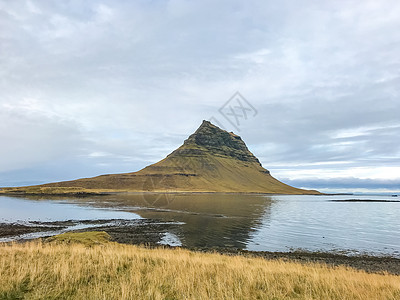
x=42, y=190
x=39, y=270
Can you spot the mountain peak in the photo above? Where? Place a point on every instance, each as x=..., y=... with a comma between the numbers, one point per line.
x=207, y=127
x=207, y=134
x=220, y=142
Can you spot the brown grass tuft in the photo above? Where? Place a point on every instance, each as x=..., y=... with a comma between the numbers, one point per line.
x=38, y=270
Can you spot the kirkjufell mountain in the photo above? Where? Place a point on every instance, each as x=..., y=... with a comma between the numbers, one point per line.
x=210, y=160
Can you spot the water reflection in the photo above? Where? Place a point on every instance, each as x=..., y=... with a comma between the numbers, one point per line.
x=259, y=222
x=223, y=220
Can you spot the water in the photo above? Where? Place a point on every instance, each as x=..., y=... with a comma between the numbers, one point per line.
x=251, y=222
x=29, y=211
x=17, y=210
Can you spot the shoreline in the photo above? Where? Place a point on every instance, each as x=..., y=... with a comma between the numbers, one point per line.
x=370, y=264
x=149, y=233
x=20, y=193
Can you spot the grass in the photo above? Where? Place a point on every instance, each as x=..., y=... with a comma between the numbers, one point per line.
x=89, y=238
x=41, y=190
x=88, y=266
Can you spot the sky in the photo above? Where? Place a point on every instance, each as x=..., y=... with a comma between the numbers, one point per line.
x=100, y=87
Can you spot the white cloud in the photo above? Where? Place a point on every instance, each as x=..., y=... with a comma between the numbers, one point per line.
x=355, y=172
x=133, y=79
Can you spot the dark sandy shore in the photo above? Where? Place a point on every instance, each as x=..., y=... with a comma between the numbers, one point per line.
x=365, y=200
x=10, y=230
x=151, y=232
x=371, y=264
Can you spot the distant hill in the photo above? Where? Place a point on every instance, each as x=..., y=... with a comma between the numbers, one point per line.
x=210, y=160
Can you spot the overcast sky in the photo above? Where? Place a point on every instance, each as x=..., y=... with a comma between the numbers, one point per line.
x=94, y=87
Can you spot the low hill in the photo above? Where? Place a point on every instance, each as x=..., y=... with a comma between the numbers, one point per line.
x=210, y=160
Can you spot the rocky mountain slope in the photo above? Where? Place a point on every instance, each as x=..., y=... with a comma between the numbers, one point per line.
x=210, y=160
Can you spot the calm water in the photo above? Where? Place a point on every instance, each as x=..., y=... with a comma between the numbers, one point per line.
x=17, y=209
x=25, y=211
x=252, y=222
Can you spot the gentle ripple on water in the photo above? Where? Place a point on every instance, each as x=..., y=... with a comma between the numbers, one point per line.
x=253, y=222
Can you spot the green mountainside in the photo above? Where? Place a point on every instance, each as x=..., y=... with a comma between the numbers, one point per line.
x=210, y=160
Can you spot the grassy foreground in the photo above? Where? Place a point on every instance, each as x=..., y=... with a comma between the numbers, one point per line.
x=89, y=267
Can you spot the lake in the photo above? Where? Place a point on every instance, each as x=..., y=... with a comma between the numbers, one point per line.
x=251, y=222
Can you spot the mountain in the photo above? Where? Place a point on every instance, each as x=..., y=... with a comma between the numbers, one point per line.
x=210, y=160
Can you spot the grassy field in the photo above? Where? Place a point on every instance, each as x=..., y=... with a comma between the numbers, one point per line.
x=87, y=266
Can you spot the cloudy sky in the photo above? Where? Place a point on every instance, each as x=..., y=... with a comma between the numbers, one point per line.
x=94, y=87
